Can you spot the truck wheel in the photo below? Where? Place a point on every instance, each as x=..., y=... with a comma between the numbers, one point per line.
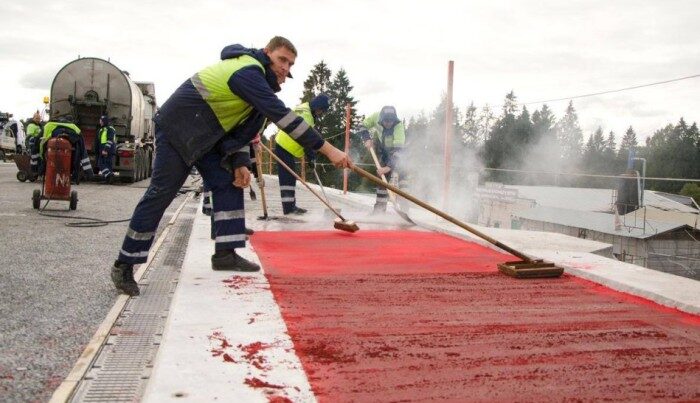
x=22, y=176
x=36, y=199
x=149, y=161
x=145, y=164
x=73, y=200
x=140, y=165
x=137, y=166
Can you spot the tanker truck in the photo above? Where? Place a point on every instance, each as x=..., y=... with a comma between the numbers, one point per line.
x=87, y=88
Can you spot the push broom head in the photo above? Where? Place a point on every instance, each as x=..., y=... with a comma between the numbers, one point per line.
x=348, y=226
x=530, y=269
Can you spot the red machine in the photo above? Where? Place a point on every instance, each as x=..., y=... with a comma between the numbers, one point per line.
x=57, y=176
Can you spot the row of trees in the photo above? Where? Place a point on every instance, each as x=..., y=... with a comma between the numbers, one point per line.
x=513, y=139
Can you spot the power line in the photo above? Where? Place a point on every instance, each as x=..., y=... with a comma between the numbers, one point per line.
x=612, y=91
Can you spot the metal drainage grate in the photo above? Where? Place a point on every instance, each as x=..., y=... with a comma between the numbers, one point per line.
x=122, y=368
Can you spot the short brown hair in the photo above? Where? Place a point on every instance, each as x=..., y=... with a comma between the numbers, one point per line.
x=280, y=42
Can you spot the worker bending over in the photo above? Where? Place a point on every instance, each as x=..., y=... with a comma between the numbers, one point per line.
x=384, y=132
x=209, y=122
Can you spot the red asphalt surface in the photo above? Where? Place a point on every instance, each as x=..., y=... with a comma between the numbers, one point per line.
x=420, y=316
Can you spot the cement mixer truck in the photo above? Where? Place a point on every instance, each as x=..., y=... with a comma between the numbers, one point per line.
x=87, y=88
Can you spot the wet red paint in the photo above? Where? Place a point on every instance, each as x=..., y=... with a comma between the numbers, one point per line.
x=279, y=399
x=399, y=252
x=252, y=354
x=220, y=350
x=416, y=316
x=601, y=289
x=259, y=383
x=236, y=282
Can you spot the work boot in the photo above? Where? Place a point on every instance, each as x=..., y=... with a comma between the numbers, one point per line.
x=123, y=278
x=297, y=211
x=230, y=260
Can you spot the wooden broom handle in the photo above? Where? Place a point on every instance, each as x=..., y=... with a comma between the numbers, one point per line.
x=432, y=209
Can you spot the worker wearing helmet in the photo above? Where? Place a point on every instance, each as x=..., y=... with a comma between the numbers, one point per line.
x=289, y=150
x=209, y=122
x=106, y=149
x=33, y=139
x=384, y=132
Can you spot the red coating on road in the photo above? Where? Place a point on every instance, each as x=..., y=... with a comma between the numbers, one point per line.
x=417, y=316
x=400, y=252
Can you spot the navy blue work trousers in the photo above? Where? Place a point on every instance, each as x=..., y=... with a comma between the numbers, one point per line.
x=287, y=181
x=169, y=174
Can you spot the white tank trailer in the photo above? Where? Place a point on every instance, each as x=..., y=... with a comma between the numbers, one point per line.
x=87, y=88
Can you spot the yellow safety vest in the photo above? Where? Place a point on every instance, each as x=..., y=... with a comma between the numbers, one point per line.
x=376, y=129
x=212, y=85
x=286, y=141
x=50, y=127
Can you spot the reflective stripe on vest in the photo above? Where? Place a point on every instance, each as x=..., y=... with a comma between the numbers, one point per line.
x=286, y=141
x=212, y=85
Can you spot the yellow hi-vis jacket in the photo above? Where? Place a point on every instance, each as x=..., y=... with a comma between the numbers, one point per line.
x=286, y=141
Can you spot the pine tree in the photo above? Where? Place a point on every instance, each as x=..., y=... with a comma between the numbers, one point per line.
x=570, y=134
x=510, y=104
x=610, y=145
x=628, y=142
x=500, y=149
x=332, y=124
x=319, y=81
x=543, y=125
x=470, y=128
x=594, y=159
x=485, y=123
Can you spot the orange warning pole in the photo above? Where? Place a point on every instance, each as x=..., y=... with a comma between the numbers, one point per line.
x=347, y=146
x=448, y=133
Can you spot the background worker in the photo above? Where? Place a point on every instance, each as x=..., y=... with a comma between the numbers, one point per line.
x=289, y=150
x=209, y=122
x=384, y=132
x=33, y=139
x=64, y=127
x=106, y=147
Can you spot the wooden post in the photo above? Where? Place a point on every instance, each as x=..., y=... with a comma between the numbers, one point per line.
x=347, y=146
x=269, y=166
x=302, y=168
x=448, y=134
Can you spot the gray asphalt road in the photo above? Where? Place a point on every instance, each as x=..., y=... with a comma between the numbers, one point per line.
x=54, y=280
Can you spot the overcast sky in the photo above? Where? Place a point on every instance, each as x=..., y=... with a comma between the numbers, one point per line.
x=394, y=52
